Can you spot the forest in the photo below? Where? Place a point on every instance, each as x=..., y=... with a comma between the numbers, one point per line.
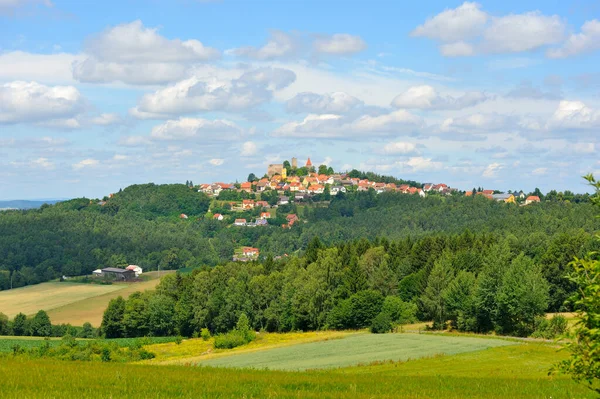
x=141, y=225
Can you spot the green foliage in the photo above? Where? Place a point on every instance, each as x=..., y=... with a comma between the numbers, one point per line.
x=205, y=334
x=112, y=320
x=434, y=299
x=20, y=326
x=584, y=363
x=40, y=325
x=552, y=328
x=4, y=325
x=241, y=335
x=382, y=323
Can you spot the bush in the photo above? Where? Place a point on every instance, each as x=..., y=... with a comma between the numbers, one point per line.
x=241, y=335
x=205, y=334
x=550, y=328
x=382, y=323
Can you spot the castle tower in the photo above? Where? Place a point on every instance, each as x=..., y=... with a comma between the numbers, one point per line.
x=308, y=163
x=294, y=163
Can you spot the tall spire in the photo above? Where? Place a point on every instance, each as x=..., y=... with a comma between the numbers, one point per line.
x=308, y=163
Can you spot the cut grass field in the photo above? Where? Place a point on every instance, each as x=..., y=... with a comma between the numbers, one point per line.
x=71, y=303
x=354, y=350
x=514, y=371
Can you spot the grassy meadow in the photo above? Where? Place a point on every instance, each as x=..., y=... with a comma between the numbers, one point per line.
x=513, y=371
x=66, y=302
x=354, y=350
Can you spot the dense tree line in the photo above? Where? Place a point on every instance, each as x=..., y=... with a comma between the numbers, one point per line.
x=40, y=326
x=476, y=282
x=141, y=225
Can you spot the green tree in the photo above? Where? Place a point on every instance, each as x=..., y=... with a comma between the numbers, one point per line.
x=461, y=302
x=4, y=325
x=160, y=315
x=322, y=169
x=252, y=177
x=433, y=298
x=112, y=320
x=40, y=325
x=87, y=331
x=584, y=363
x=522, y=296
x=20, y=325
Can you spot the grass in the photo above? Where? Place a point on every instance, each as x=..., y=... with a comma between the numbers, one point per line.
x=194, y=350
x=7, y=343
x=354, y=350
x=73, y=303
x=515, y=371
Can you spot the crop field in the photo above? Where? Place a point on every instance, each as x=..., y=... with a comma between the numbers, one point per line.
x=73, y=303
x=355, y=350
x=513, y=371
x=90, y=309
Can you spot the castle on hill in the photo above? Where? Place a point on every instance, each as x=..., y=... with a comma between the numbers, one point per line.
x=278, y=169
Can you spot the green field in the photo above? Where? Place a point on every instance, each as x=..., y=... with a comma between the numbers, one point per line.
x=73, y=303
x=355, y=350
x=513, y=371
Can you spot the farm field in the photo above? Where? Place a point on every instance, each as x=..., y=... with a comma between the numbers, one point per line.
x=72, y=303
x=513, y=371
x=354, y=350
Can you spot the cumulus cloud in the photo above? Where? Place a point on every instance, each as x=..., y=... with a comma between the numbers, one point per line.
x=539, y=171
x=492, y=170
x=197, y=128
x=399, y=148
x=106, y=119
x=467, y=30
x=522, y=32
x=134, y=54
x=420, y=164
x=452, y=25
x=45, y=68
x=216, y=161
x=249, y=149
x=279, y=45
x=337, y=126
x=339, y=44
x=426, y=97
x=574, y=115
x=477, y=122
x=86, y=163
x=33, y=102
x=586, y=41
x=200, y=94
x=329, y=103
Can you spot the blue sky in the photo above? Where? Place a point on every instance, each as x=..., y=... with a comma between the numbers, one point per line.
x=95, y=96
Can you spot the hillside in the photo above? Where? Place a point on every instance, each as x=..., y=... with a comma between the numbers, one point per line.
x=141, y=225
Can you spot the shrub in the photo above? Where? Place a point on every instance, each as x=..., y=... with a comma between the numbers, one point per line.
x=205, y=334
x=550, y=328
x=241, y=335
x=382, y=323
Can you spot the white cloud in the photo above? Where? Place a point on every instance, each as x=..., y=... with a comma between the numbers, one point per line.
x=86, y=163
x=134, y=141
x=197, y=128
x=579, y=43
x=134, y=54
x=33, y=102
x=420, y=164
x=339, y=44
x=280, y=45
x=43, y=163
x=426, y=97
x=46, y=68
x=106, y=119
x=522, y=32
x=451, y=25
x=336, y=126
x=399, y=148
x=457, y=49
x=201, y=94
x=539, y=171
x=249, y=148
x=467, y=30
x=492, y=170
x=574, y=115
x=477, y=122
x=329, y=103
x=216, y=161
x=120, y=157
x=8, y=7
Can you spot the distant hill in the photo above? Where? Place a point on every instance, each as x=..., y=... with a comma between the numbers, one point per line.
x=26, y=204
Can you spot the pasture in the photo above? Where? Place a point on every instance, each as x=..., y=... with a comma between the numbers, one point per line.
x=354, y=350
x=513, y=371
x=72, y=303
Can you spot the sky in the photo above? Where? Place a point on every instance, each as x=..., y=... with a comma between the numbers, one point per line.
x=95, y=96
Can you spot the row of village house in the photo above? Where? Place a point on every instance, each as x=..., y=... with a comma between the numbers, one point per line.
x=508, y=197
x=315, y=184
